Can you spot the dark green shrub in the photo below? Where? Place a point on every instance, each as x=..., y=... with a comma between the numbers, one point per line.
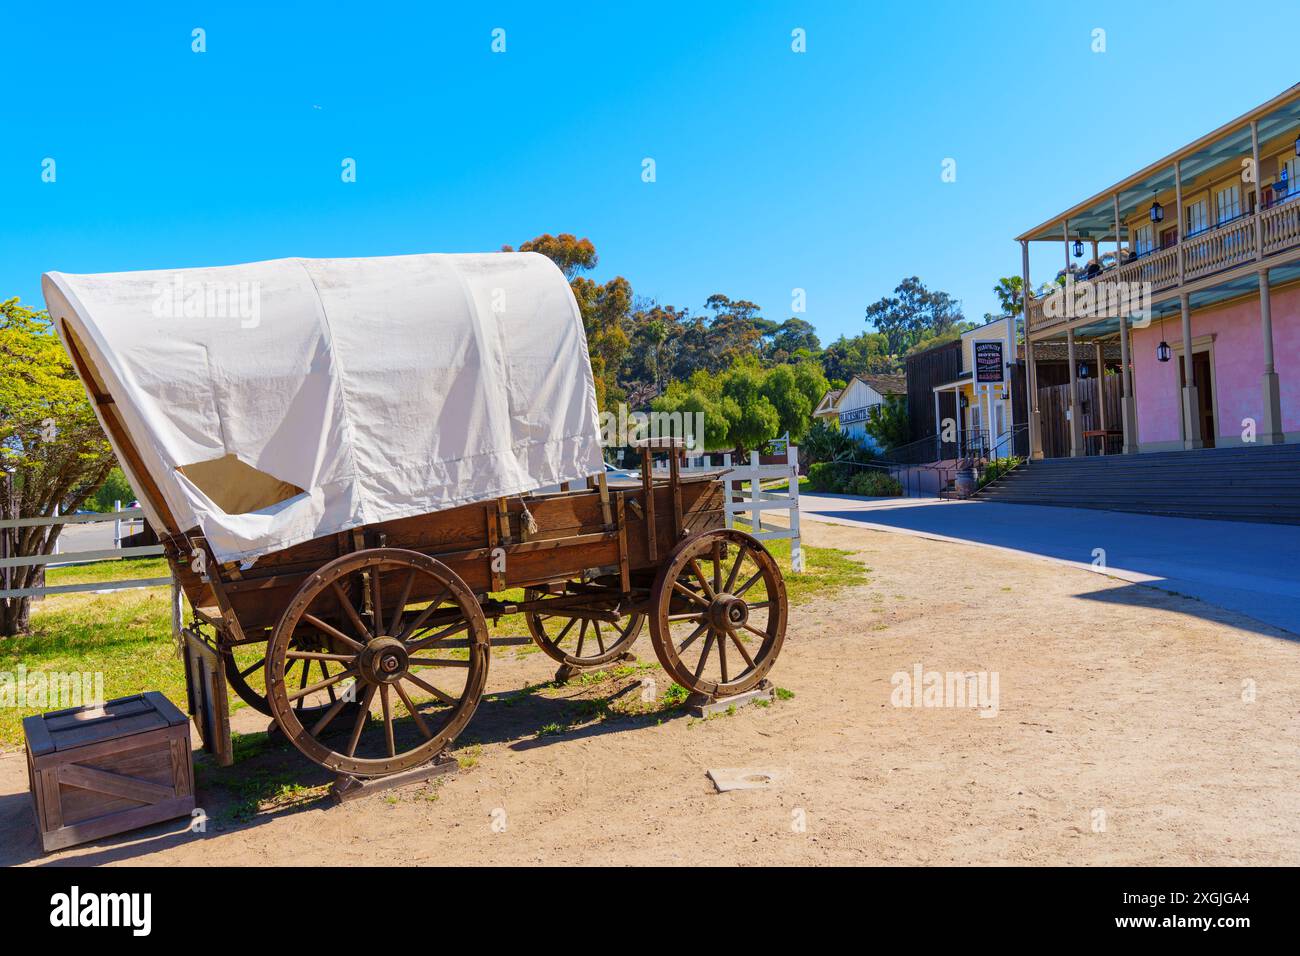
x=874, y=484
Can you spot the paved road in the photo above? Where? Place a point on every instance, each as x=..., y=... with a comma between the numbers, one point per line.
x=1250, y=568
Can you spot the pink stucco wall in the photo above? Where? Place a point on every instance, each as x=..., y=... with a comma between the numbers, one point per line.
x=1238, y=364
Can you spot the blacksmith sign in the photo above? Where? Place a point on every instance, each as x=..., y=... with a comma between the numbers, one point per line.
x=989, y=369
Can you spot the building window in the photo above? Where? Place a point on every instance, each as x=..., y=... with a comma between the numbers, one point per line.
x=1196, y=217
x=1292, y=167
x=1145, y=239
x=1227, y=204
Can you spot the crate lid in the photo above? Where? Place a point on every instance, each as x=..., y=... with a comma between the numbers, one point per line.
x=82, y=726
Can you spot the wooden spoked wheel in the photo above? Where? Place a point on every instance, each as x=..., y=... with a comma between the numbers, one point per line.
x=581, y=641
x=414, y=667
x=718, y=612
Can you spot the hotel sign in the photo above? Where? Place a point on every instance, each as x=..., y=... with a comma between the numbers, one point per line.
x=989, y=369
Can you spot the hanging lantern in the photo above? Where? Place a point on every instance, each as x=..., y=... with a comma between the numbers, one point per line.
x=1163, y=352
x=1083, y=370
x=1157, y=211
x=1297, y=145
x=1078, y=248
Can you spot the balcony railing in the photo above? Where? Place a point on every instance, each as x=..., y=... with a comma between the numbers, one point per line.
x=1225, y=246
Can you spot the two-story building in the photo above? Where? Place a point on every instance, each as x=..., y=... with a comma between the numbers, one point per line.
x=1192, y=266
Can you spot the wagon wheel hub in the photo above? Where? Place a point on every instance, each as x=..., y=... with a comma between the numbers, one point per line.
x=727, y=612
x=383, y=661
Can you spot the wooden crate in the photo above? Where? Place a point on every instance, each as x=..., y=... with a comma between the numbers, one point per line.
x=97, y=771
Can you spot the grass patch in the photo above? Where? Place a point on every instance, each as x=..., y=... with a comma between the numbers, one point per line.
x=122, y=569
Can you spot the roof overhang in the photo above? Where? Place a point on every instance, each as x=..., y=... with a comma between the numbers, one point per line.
x=1094, y=218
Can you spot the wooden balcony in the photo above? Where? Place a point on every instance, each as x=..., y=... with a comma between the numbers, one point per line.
x=1221, y=249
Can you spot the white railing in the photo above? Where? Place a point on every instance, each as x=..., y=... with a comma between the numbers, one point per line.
x=118, y=517
x=745, y=495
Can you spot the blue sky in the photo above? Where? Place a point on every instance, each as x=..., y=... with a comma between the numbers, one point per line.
x=775, y=170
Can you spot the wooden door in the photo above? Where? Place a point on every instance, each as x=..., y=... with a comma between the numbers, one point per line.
x=1204, y=396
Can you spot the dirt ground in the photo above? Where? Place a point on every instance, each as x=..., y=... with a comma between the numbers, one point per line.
x=1132, y=727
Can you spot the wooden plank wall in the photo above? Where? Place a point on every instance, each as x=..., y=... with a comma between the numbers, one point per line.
x=924, y=371
x=1054, y=400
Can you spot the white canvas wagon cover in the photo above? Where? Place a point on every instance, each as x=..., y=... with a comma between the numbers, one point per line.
x=280, y=401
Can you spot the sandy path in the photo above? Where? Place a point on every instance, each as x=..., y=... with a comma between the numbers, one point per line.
x=1112, y=698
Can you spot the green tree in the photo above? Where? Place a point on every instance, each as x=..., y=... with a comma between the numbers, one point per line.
x=913, y=313
x=571, y=254
x=794, y=391
x=888, y=423
x=865, y=354
x=52, y=450
x=1009, y=292
x=758, y=421
x=114, y=489
x=719, y=412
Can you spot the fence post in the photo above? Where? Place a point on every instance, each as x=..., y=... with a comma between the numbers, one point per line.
x=796, y=547
x=755, y=493
x=726, y=463
x=117, y=526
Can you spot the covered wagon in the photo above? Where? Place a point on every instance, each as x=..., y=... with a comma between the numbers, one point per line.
x=353, y=464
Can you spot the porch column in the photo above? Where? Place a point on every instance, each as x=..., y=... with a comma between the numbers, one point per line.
x=1259, y=197
x=1191, y=403
x=1076, y=421
x=1128, y=411
x=1031, y=370
x=1270, y=429
x=1101, y=388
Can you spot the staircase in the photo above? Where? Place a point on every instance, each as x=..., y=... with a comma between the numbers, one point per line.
x=1245, y=483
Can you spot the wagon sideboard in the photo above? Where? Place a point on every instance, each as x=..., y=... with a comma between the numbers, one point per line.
x=568, y=535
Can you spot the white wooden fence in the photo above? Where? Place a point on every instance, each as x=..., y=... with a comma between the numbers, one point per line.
x=745, y=494
x=118, y=517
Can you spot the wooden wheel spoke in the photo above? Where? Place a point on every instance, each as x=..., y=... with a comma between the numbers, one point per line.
x=693, y=616
x=694, y=565
x=688, y=593
x=400, y=606
x=722, y=659
x=429, y=688
x=735, y=568
x=423, y=616
x=351, y=611
x=376, y=605
x=582, y=637
x=740, y=646
x=435, y=638
x=329, y=688
x=388, y=720
x=690, y=638
x=410, y=708
x=362, y=717
x=260, y=661
x=748, y=584
x=328, y=716
x=437, y=662
x=321, y=684
x=333, y=631
x=320, y=656
x=599, y=640
x=306, y=676
x=753, y=630
x=704, y=656
x=566, y=629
